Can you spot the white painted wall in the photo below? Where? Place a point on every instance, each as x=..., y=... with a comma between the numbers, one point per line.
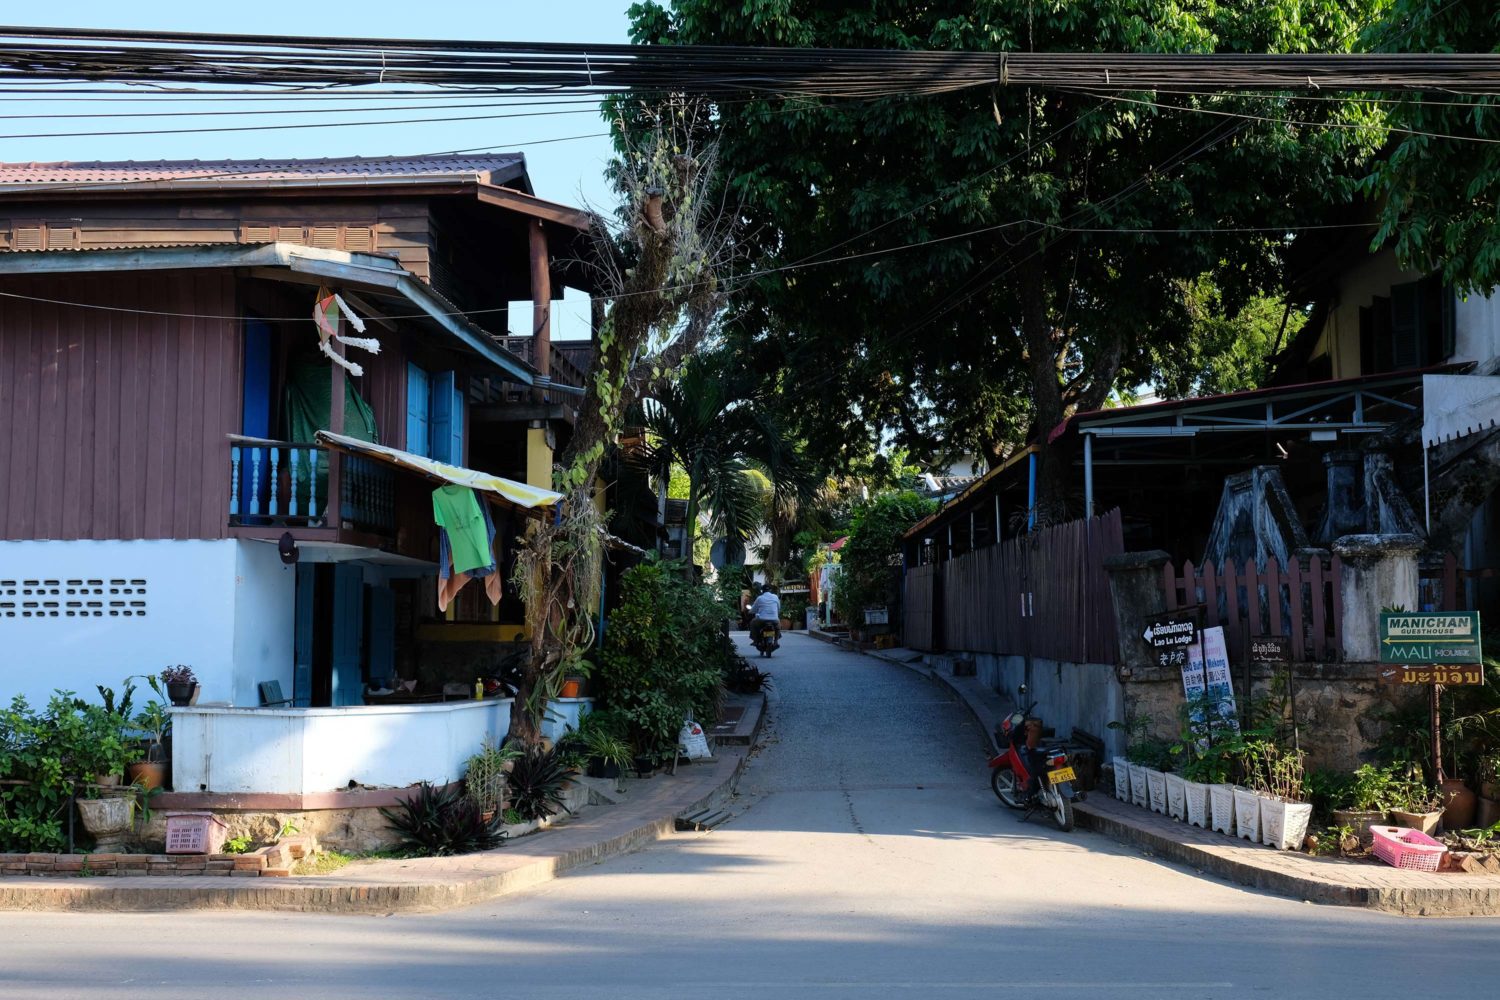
x=1476, y=322
x=1358, y=286
x=223, y=607
x=307, y=750
x=265, y=602
x=189, y=615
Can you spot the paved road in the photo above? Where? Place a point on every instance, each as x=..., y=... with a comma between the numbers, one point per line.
x=869, y=860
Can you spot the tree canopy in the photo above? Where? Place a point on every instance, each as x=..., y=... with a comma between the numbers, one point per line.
x=1052, y=240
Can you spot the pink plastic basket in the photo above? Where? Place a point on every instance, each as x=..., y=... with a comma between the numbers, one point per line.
x=195, y=833
x=1407, y=848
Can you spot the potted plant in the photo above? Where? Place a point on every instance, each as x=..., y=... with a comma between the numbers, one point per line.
x=1415, y=805
x=1284, y=815
x=1247, y=800
x=182, y=686
x=150, y=770
x=1202, y=761
x=1365, y=800
x=1488, y=808
x=485, y=774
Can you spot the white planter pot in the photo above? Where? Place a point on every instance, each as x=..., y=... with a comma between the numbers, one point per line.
x=1122, y=779
x=1221, y=808
x=1247, y=814
x=1195, y=797
x=1176, y=796
x=1138, y=792
x=1283, y=825
x=1156, y=788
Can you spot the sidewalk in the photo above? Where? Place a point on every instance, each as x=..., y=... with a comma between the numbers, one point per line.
x=648, y=813
x=1335, y=881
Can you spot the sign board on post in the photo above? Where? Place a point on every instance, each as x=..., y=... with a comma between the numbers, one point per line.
x=1271, y=649
x=1428, y=639
x=877, y=616
x=1170, y=634
x=1205, y=676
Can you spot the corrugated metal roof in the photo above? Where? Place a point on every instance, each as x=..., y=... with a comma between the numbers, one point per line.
x=496, y=168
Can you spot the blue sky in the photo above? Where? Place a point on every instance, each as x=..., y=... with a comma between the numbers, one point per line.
x=566, y=169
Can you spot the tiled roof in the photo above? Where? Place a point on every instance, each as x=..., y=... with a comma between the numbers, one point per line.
x=496, y=168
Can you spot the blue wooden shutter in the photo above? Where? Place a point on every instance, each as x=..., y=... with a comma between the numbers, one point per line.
x=348, y=631
x=302, y=639
x=382, y=634
x=447, y=419
x=418, y=427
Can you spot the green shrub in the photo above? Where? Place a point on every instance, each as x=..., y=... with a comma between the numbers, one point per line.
x=438, y=822
x=867, y=577
x=666, y=654
x=536, y=781
x=51, y=751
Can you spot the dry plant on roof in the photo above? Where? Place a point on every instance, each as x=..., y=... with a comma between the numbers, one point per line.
x=664, y=270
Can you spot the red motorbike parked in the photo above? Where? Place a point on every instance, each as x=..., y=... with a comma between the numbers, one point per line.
x=1028, y=776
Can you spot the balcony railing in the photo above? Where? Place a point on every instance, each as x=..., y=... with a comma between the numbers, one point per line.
x=286, y=483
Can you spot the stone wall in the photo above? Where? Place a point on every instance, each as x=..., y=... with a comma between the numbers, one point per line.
x=1337, y=707
x=274, y=861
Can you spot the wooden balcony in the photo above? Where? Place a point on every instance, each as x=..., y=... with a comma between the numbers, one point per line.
x=285, y=484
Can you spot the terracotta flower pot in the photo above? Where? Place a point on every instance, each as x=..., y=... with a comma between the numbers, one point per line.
x=1459, y=803
x=1422, y=822
x=1488, y=812
x=1360, y=821
x=571, y=688
x=147, y=774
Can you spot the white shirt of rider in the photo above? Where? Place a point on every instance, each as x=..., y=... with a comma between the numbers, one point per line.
x=766, y=607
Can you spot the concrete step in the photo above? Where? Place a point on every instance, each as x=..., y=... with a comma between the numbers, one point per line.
x=706, y=819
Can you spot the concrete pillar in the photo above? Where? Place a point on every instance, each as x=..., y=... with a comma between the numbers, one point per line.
x=1380, y=571
x=1135, y=586
x=538, y=456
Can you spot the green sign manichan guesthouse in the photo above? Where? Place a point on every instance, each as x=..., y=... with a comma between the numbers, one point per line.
x=1429, y=638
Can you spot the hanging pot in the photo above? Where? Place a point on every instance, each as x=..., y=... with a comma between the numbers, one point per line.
x=1459, y=803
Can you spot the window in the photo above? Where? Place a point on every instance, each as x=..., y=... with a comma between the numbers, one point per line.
x=434, y=415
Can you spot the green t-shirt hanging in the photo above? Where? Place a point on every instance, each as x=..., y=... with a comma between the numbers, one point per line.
x=456, y=509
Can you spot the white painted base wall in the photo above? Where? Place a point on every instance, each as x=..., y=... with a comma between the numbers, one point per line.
x=1085, y=696
x=223, y=607
x=310, y=750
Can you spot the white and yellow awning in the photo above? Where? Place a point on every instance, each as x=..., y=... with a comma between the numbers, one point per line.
x=519, y=494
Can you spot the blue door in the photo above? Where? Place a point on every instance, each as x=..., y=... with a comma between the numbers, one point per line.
x=302, y=638
x=382, y=611
x=348, y=632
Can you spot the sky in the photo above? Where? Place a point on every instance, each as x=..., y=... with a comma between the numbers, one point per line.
x=565, y=169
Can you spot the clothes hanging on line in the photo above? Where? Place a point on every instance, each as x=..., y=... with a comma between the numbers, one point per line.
x=463, y=546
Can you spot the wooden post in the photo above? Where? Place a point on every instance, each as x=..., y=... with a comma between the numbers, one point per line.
x=1435, y=716
x=541, y=303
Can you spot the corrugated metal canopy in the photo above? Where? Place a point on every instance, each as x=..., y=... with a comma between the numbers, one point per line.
x=514, y=493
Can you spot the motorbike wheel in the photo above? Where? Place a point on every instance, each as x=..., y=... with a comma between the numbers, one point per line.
x=1003, y=781
x=1062, y=813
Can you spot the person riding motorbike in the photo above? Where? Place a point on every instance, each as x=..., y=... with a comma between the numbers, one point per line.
x=765, y=612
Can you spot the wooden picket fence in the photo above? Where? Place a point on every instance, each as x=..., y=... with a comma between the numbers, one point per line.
x=1302, y=602
x=1045, y=593
x=1443, y=588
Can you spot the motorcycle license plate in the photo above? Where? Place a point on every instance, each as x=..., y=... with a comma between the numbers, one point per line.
x=1060, y=775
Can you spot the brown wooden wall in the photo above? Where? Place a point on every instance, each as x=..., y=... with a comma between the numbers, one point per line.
x=1056, y=573
x=113, y=424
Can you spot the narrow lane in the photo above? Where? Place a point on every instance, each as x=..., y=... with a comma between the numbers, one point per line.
x=868, y=858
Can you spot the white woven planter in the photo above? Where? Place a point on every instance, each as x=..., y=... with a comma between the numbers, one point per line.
x=1156, y=789
x=1176, y=796
x=1195, y=797
x=1221, y=808
x=1247, y=814
x=1283, y=825
x=1138, y=792
x=1122, y=779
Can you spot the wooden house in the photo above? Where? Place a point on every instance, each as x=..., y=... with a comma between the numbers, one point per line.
x=161, y=384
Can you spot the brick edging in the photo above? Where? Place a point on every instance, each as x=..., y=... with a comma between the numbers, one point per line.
x=375, y=897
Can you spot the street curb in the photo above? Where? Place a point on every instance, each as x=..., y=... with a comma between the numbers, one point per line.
x=1451, y=901
x=370, y=898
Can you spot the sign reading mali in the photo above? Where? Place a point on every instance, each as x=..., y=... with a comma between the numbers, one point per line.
x=1446, y=638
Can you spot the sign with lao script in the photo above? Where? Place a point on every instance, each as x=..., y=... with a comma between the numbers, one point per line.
x=1428, y=674
x=1271, y=649
x=1439, y=638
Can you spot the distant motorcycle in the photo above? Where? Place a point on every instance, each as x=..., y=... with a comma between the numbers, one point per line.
x=765, y=636
x=1029, y=777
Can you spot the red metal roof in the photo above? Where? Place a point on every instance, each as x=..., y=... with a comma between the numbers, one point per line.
x=496, y=168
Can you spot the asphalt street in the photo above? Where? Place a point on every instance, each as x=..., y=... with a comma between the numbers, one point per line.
x=867, y=858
